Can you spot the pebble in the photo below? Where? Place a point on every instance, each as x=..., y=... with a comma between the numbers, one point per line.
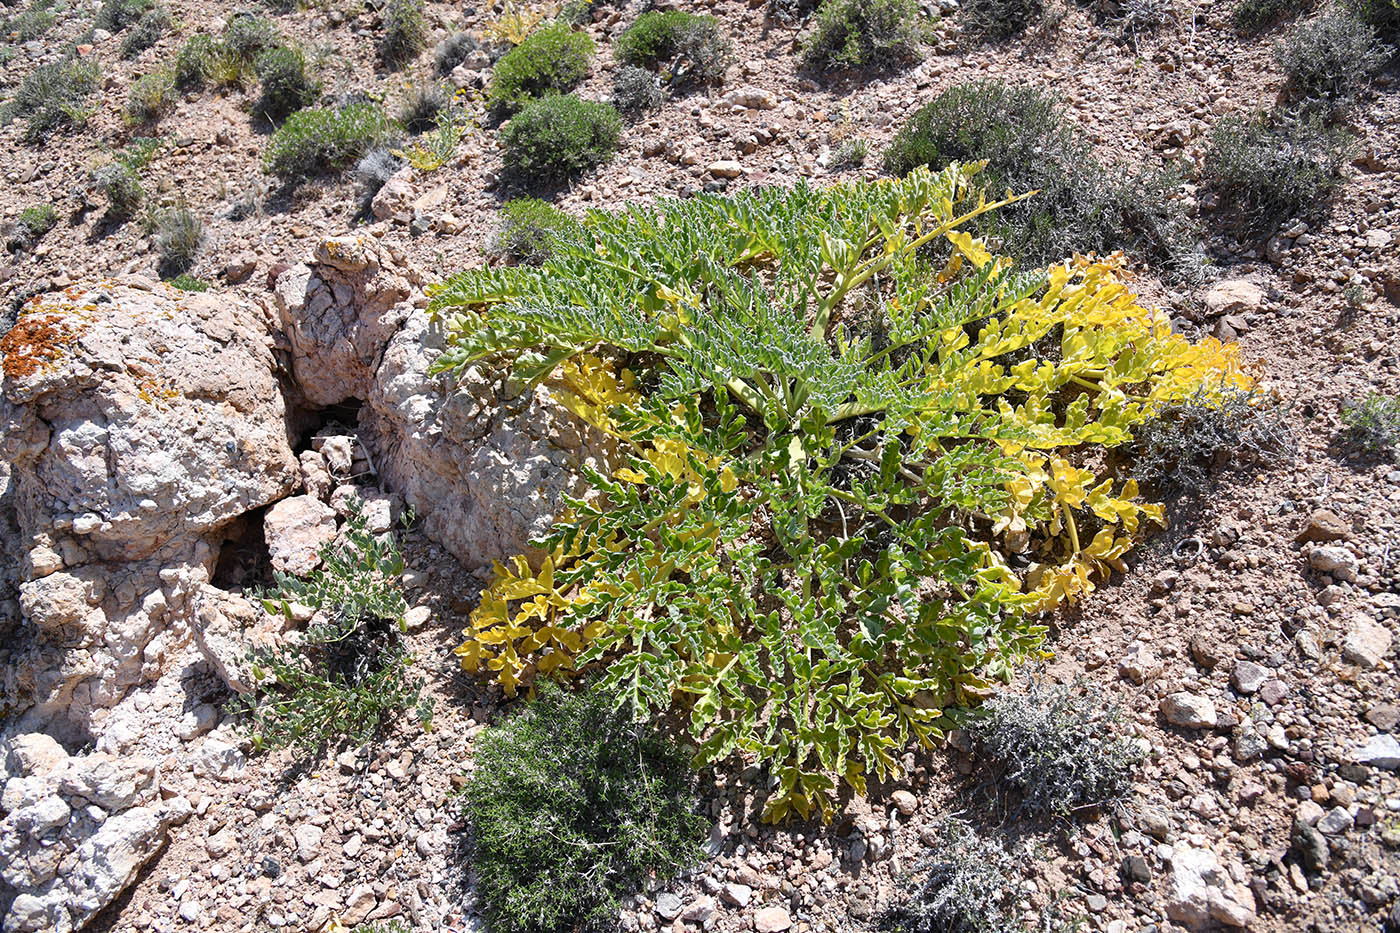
x=1248, y=677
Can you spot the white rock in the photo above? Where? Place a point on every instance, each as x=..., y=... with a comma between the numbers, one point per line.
x=1367, y=642
x=1233, y=296
x=308, y=840
x=1202, y=894
x=725, y=168
x=1379, y=751
x=1335, y=560
x=1335, y=821
x=736, y=894
x=1189, y=711
x=1248, y=677
x=218, y=759
x=296, y=529
x=752, y=98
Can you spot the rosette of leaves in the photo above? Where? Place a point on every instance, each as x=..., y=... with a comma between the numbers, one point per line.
x=860, y=452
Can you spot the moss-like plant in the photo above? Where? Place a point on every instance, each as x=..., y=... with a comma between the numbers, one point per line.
x=571, y=806
x=247, y=36
x=558, y=137
x=851, y=473
x=324, y=141
x=687, y=47
x=874, y=35
x=552, y=60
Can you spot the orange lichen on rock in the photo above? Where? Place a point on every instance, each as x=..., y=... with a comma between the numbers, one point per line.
x=36, y=342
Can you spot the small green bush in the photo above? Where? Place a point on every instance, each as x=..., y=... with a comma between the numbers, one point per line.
x=247, y=36
x=527, y=229
x=875, y=35
x=1331, y=58
x=116, y=15
x=404, y=32
x=850, y=154
x=572, y=806
x=120, y=185
x=1373, y=424
x=194, y=61
x=553, y=60
x=38, y=220
x=687, y=47
x=557, y=137
x=1254, y=16
x=454, y=50
x=349, y=670
x=53, y=97
x=1056, y=751
x=999, y=19
x=636, y=91
x=1384, y=15
x=150, y=97
x=28, y=25
x=188, y=283
x=419, y=109
x=153, y=24
x=1176, y=452
x=179, y=233
x=324, y=141
x=1264, y=173
x=285, y=86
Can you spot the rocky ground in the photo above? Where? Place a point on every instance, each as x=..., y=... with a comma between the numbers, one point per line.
x=1251, y=648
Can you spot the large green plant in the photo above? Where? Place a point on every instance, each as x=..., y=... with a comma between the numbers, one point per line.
x=859, y=450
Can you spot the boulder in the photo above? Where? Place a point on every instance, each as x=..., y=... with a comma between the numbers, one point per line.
x=1367, y=642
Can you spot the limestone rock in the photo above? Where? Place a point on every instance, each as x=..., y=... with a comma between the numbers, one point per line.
x=1367, y=642
x=1233, y=296
x=1379, y=751
x=1202, y=894
x=1189, y=711
x=1335, y=560
x=296, y=529
x=752, y=98
x=772, y=920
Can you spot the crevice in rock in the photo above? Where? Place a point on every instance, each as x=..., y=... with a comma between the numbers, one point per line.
x=244, y=563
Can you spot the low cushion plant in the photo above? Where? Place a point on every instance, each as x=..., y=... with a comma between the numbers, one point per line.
x=552, y=60
x=557, y=137
x=324, y=141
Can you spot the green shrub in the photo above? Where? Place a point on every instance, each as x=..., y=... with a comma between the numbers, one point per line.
x=875, y=35
x=350, y=669
x=552, y=60
x=403, y=32
x=247, y=36
x=194, y=61
x=120, y=185
x=1056, y=751
x=116, y=15
x=53, y=97
x=324, y=141
x=153, y=24
x=419, y=109
x=1384, y=15
x=688, y=48
x=1264, y=173
x=1373, y=424
x=179, y=233
x=836, y=457
x=28, y=25
x=38, y=220
x=1331, y=58
x=188, y=283
x=572, y=806
x=1254, y=16
x=150, y=97
x=557, y=137
x=636, y=90
x=999, y=19
x=285, y=86
x=527, y=229
x=1176, y=452
x=453, y=51
x=850, y=154
x=1081, y=206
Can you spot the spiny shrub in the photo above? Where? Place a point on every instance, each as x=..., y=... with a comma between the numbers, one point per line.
x=194, y=61
x=1176, y=452
x=552, y=60
x=571, y=806
x=179, y=233
x=964, y=884
x=1081, y=206
x=1331, y=58
x=636, y=90
x=852, y=474
x=1056, y=751
x=419, y=109
x=324, y=141
x=999, y=19
x=116, y=15
x=375, y=169
x=285, y=85
x=403, y=32
x=150, y=97
x=875, y=35
x=28, y=25
x=1373, y=424
x=153, y=24
x=1254, y=16
x=349, y=669
x=527, y=230
x=1265, y=172
x=454, y=50
x=120, y=185
x=247, y=36
x=53, y=97
x=687, y=47
x=558, y=137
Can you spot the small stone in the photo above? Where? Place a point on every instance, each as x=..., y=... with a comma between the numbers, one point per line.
x=1335, y=560
x=1324, y=525
x=1273, y=692
x=1335, y=822
x=1234, y=296
x=1248, y=677
x=1189, y=711
x=1310, y=812
x=905, y=802
x=353, y=845
x=668, y=906
x=752, y=98
x=736, y=894
x=1207, y=652
x=1096, y=903
x=1384, y=716
x=700, y=910
x=1379, y=751
x=725, y=168
x=1138, y=664
x=308, y=840
x=296, y=529
x=1310, y=846
x=771, y=920
x=1249, y=744
x=1367, y=642
x=1135, y=868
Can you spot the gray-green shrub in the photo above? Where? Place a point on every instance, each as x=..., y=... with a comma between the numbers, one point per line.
x=1373, y=424
x=999, y=19
x=179, y=234
x=116, y=15
x=1176, y=453
x=29, y=24
x=322, y=141
x=193, y=62
x=454, y=50
x=419, y=108
x=558, y=137
x=53, y=97
x=552, y=60
x=686, y=47
x=1253, y=16
x=285, y=85
x=873, y=35
x=1264, y=172
x=119, y=184
x=153, y=24
x=247, y=36
x=636, y=91
x=527, y=229
x=150, y=97
x=1331, y=58
x=403, y=32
